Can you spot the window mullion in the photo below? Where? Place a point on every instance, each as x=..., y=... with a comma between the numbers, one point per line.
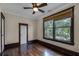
x=53, y=30
x=63, y=27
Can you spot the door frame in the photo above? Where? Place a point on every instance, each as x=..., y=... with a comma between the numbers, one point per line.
x=2, y=18
x=23, y=24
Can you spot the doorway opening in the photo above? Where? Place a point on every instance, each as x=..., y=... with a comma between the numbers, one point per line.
x=23, y=36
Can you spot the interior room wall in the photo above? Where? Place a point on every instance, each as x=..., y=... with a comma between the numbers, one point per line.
x=35, y=29
x=74, y=47
x=12, y=28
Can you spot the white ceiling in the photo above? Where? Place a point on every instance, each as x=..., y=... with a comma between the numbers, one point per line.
x=17, y=9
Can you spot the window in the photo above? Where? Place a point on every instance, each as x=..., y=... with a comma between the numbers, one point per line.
x=62, y=29
x=59, y=27
x=48, y=29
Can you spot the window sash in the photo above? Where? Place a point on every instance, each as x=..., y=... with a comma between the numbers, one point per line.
x=48, y=23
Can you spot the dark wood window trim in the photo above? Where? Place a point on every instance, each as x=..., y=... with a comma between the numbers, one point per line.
x=71, y=28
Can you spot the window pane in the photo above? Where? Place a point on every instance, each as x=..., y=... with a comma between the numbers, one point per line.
x=48, y=29
x=62, y=34
x=63, y=22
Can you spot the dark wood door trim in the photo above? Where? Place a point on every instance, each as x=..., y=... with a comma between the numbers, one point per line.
x=23, y=24
x=2, y=18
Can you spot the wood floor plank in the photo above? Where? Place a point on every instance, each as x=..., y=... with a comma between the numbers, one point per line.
x=32, y=50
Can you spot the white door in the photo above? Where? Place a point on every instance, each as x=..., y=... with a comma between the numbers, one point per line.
x=23, y=32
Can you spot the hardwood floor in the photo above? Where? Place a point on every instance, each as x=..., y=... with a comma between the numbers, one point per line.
x=32, y=50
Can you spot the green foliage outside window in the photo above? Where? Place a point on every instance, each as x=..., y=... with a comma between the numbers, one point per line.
x=61, y=28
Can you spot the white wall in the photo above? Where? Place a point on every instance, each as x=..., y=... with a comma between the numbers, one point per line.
x=12, y=28
x=35, y=29
x=74, y=47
